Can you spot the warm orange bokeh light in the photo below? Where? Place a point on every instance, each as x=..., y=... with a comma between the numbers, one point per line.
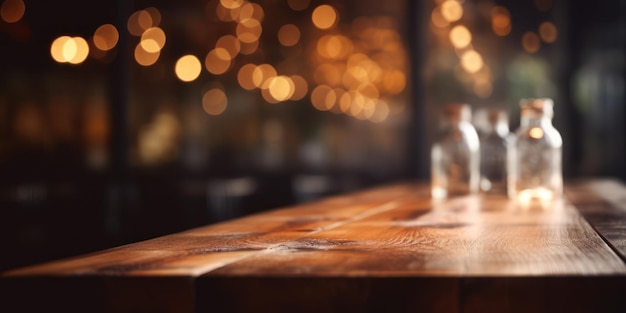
x=451, y=10
x=530, y=42
x=188, y=68
x=261, y=74
x=214, y=101
x=244, y=77
x=500, y=21
x=248, y=48
x=249, y=30
x=325, y=17
x=334, y=47
x=231, y=4
x=301, y=87
x=12, y=11
x=289, y=35
x=217, y=61
x=471, y=61
x=298, y=5
x=57, y=47
x=145, y=58
x=67, y=49
x=323, y=98
x=281, y=87
x=394, y=81
x=437, y=18
x=460, y=36
x=229, y=43
x=138, y=22
x=153, y=39
x=329, y=74
x=106, y=37
x=548, y=32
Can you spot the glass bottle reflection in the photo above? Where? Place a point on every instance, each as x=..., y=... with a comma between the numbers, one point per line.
x=534, y=155
x=455, y=155
x=493, y=147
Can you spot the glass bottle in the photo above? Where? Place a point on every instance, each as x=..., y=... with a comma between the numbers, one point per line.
x=493, y=145
x=455, y=155
x=534, y=155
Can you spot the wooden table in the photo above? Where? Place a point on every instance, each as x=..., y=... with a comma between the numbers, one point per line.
x=388, y=249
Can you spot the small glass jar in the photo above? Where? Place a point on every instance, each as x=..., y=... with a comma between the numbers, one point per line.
x=455, y=155
x=493, y=145
x=534, y=155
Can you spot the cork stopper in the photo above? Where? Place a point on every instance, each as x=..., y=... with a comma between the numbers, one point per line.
x=537, y=107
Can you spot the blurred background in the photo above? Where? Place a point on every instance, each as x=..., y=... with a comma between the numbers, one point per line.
x=126, y=120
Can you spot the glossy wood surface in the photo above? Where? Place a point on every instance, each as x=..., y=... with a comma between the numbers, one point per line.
x=390, y=247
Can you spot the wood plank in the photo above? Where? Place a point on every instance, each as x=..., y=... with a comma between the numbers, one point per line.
x=389, y=248
x=472, y=236
x=603, y=204
x=203, y=249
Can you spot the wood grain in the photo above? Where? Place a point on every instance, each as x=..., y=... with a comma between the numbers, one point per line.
x=386, y=248
x=603, y=204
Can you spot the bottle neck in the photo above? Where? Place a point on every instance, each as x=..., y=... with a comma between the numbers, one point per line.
x=535, y=121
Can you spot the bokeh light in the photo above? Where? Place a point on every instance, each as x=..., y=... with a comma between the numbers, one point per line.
x=106, y=37
x=248, y=48
x=324, y=17
x=214, y=101
x=301, y=87
x=281, y=87
x=548, y=32
x=261, y=74
x=138, y=22
x=66, y=49
x=460, y=36
x=244, y=76
x=451, y=10
x=289, y=35
x=329, y=73
x=80, y=53
x=57, y=47
x=217, y=61
x=394, y=81
x=298, y=5
x=155, y=14
x=188, y=68
x=323, y=97
x=145, y=58
x=471, y=61
x=229, y=43
x=153, y=39
x=500, y=21
x=334, y=47
x=231, y=4
x=437, y=18
x=249, y=30
x=531, y=42
x=12, y=11
x=380, y=113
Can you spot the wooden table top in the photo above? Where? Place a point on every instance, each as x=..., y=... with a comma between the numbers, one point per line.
x=390, y=248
